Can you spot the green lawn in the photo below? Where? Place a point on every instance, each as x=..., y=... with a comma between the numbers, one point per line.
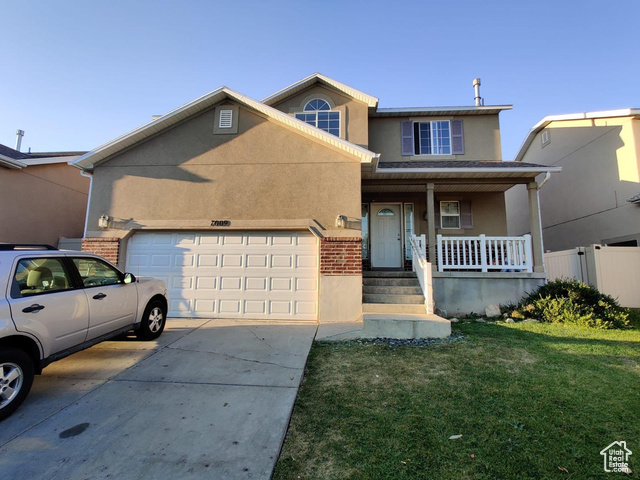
x=528, y=399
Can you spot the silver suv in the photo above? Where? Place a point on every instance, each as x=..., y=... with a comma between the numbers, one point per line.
x=55, y=302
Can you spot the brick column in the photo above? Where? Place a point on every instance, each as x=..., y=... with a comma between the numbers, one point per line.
x=341, y=256
x=107, y=247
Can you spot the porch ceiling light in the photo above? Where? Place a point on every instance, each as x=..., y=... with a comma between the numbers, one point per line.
x=103, y=221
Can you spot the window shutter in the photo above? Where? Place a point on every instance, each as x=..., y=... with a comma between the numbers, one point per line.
x=437, y=212
x=457, y=138
x=407, y=138
x=466, y=219
x=226, y=119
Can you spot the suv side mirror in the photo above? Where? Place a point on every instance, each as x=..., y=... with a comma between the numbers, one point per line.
x=129, y=278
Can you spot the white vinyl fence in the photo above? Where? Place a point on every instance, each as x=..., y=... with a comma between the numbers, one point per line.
x=612, y=270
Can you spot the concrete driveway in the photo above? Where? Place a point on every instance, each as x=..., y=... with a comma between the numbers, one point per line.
x=208, y=399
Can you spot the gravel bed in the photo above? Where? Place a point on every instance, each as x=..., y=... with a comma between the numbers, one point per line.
x=413, y=342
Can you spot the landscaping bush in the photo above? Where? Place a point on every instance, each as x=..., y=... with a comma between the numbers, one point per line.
x=573, y=302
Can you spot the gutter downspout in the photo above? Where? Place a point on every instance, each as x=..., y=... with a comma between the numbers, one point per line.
x=86, y=218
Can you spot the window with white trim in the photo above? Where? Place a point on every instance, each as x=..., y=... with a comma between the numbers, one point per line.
x=317, y=112
x=432, y=138
x=450, y=214
x=436, y=137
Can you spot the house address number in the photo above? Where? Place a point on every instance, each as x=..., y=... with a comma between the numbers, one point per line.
x=220, y=223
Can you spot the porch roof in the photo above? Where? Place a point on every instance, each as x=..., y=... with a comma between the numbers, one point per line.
x=450, y=175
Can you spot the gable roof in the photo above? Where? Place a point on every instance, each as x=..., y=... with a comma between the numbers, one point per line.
x=314, y=78
x=542, y=124
x=103, y=152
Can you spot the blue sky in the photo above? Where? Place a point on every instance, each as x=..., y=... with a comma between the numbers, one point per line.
x=79, y=73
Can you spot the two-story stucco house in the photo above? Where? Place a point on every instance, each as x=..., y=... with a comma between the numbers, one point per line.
x=273, y=209
x=594, y=200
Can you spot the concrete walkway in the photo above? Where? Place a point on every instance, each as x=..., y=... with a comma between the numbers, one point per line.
x=208, y=399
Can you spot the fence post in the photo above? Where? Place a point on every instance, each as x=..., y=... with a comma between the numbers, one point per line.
x=528, y=252
x=483, y=253
x=439, y=261
x=423, y=245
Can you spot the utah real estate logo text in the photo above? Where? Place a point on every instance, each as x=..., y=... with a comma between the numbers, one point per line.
x=616, y=457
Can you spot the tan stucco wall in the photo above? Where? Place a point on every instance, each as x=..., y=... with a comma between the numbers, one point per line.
x=481, y=138
x=353, y=113
x=586, y=202
x=340, y=298
x=41, y=203
x=187, y=176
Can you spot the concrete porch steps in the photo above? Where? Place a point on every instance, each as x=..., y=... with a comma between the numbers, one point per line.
x=393, y=307
x=387, y=274
x=405, y=326
x=393, y=298
x=393, y=281
x=393, y=289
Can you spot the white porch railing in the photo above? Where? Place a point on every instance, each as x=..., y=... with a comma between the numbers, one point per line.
x=422, y=269
x=502, y=254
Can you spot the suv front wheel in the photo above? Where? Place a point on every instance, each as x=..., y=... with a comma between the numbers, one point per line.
x=153, y=321
x=16, y=378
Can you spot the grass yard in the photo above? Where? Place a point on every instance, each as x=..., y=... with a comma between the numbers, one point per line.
x=531, y=400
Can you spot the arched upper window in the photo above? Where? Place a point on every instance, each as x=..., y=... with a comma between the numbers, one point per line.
x=316, y=104
x=317, y=112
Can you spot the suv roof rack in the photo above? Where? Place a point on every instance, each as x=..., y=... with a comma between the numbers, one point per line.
x=25, y=246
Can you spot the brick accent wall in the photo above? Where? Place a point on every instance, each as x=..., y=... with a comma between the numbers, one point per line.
x=108, y=248
x=340, y=256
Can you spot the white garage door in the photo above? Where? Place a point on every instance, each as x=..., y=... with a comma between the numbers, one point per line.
x=270, y=275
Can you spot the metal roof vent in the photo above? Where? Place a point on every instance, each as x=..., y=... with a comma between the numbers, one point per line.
x=476, y=85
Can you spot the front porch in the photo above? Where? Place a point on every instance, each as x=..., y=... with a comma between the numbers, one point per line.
x=447, y=222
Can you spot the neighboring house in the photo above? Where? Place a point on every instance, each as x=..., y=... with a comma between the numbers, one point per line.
x=272, y=209
x=596, y=198
x=42, y=198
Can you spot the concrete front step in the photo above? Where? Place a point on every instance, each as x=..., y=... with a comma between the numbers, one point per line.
x=404, y=326
x=395, y=282
x=388, y=274
x=393, y=308
x=392, y=290
x=387, y=298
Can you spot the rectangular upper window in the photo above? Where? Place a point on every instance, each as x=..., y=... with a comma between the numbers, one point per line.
x=327, y=121
x=436, y=137
x=432, y=138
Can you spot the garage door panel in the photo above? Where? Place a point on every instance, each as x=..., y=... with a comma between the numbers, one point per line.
x=237, y=274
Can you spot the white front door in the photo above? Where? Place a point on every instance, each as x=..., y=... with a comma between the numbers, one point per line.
x=386, y=238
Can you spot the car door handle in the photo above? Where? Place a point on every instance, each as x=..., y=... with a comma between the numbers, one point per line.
x=33, y=308
x=99, y=296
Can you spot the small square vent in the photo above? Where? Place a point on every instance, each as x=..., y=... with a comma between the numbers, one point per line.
x=226, y=119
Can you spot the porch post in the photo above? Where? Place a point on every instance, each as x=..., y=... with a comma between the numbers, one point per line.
x=536, y=227
x=431, y=224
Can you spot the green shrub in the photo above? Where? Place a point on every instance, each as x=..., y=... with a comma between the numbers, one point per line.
x=573, y=302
